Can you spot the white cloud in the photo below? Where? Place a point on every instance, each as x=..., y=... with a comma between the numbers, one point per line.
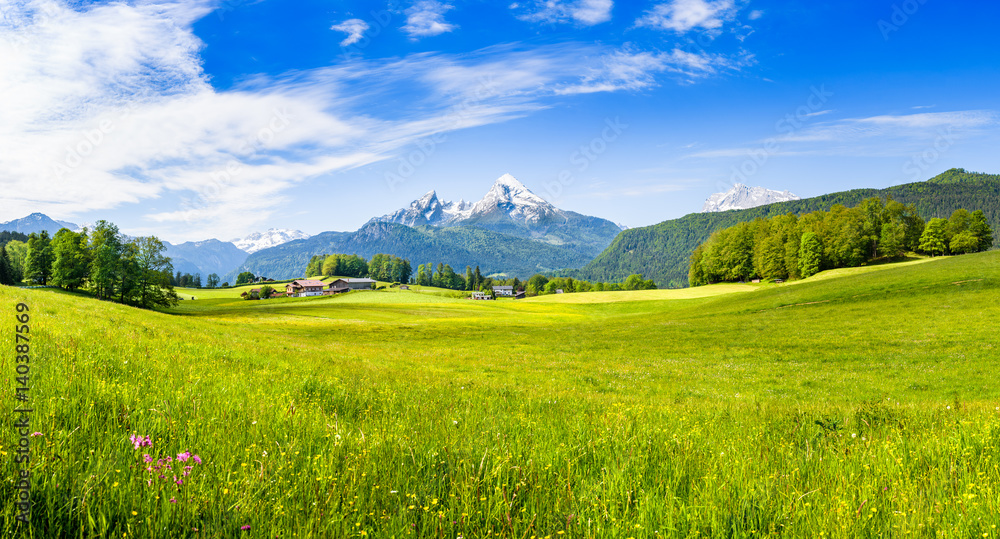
x=880, y=136
x=107, y=106
x=354, y=28
x=585, y=12
x=755, y=14
x=630, y=70
x=682, y=16
x=426, y=18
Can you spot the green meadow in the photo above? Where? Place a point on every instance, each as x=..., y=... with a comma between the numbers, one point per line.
x=857, y=403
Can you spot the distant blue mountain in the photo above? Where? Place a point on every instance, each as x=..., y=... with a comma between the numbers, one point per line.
x=36, y=222
x=205, y=257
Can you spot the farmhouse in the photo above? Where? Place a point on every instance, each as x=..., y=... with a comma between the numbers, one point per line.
x=346, y=285
x=303, y=288
x=481, y=295
x=506, y=291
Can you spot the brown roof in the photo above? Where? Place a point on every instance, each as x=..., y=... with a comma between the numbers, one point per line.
x=308, y=282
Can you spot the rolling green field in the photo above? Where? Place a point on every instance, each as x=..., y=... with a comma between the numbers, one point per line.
x=858, y=403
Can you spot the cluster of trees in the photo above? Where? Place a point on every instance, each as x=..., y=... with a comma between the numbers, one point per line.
x=112, y=266
x=790, y=246
x=444, y=277
x=337, y=264
x=186, y=280
x=13, y=254
x=540, y=284
x=389, y=268
x=382, y=267
x=662, y=251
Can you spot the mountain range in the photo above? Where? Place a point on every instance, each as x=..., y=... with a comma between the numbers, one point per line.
x=510, y=230
x=741, y=197
x=258, y=241
x=36, y=222
x=511, y=208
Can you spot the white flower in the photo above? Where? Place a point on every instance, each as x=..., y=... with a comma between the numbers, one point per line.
x=854, y=435
x=455, y=422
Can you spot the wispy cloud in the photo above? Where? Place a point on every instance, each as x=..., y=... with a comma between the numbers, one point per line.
x=682, y=16
x=635, y=70
x=426, y=18
x=584, y=12
x=354, y=28
x=883, y=136
x=107, y=105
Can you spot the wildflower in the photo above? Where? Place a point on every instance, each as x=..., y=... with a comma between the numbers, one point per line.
x=178, y=481
x=173, y=500
x=140, y=441
x=183, y=457
x=245, y=528
x=37, y=434
x=197, y=459
x=187, y=470
x=147, y=458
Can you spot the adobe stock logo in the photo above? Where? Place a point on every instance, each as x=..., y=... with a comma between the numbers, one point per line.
x=901, y=14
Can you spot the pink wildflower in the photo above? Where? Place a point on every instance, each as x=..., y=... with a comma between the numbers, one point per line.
x=140, y=441
x=37, y=434
x=245, y=528
x=197, y=459
x=147, y=458
x=173, y=500
x=183, y=457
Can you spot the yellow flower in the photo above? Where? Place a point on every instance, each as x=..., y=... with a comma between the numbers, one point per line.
x=134, y=513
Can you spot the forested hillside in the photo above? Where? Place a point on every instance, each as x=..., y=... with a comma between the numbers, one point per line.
x=457, y=246
x=662, y=251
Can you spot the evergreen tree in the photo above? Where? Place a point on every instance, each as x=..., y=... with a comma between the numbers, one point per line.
x=6, y=272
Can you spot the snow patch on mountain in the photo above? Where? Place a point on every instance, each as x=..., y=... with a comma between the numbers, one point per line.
x=259, y=241
x=741, y=197
x=507, y=195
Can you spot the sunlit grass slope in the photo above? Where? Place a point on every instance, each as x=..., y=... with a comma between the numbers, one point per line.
x=851, y=405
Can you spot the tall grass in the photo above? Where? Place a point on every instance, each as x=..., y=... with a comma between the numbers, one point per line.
x=863, y=404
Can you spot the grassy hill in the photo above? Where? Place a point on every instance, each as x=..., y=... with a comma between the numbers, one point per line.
x=661, y=252
x=856, y=403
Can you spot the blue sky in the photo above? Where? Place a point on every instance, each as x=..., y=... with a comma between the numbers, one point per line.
x=196, y=119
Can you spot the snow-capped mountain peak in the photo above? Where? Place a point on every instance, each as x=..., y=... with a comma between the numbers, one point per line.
x=741, y=197
x=506, y=195
x=259, y=241
x=508, y=190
